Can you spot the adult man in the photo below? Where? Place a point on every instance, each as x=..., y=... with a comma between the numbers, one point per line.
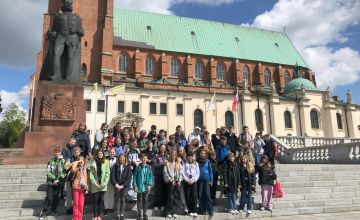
x=196, y=134
x=245, y=141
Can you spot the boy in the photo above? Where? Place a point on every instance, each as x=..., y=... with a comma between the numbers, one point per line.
x=143, y=181
x=55, y=176
x=214, y=167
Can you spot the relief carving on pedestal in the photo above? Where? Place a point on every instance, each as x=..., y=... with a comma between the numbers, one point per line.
x=58, y=108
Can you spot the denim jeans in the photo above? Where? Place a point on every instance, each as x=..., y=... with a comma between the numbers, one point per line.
x=231, y=201
x=246, y=197
x=205, y=202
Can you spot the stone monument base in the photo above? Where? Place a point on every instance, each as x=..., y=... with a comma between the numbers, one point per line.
x=57, y=111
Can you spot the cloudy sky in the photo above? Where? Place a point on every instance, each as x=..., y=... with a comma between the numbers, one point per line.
x=326, y=33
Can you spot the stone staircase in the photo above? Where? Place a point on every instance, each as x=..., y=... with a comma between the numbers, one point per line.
x=309, y=189
x=10, y=153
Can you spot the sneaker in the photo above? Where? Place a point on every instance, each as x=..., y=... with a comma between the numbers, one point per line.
x=54, y=212
x=270, y=209
x=175, y=215
x=211, y=215
x=262, y=209
x=156, y=208
x=42, y=214
x=162, y=208
x=195, y=214
x=169, y=216
x=249, y=211
x=236, y=211
x=191, y=214
x=69, y=211
x=241, y=211
x=232, y=212
x=145, y=217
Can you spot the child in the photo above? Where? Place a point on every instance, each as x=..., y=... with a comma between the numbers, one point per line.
x=248, y=182
x=120, y=149
x=204, y=184
x=143, y=181
x=80, y=187
x=191, y=176
x=109, y=194
x=133, y=154
x=70, y=177
x=214, y=168
x=160, y=187
x=267, y=178
x=150, y=152
x=173, y=176
x=55, y=176
x=231, y=182
x=222, y=151
x=111, y=138
x=121, y=178
x=99, y=178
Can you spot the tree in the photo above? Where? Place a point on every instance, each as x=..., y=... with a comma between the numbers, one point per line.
x=13, y=121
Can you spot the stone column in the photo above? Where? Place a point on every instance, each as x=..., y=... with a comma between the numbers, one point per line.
x=247, y=111
x=238, y=76
x=213, y=71
x=351, y=120
x=190, y=69
x=330, y=118
x=139, y=64
x=274, y=103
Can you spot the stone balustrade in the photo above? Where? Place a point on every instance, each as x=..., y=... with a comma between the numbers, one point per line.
x=301, y=142
x=326, y=151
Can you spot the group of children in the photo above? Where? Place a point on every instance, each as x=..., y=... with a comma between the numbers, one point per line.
x=128, y=164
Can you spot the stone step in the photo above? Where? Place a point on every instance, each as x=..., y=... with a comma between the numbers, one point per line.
x=219, y=214
x=16, y=187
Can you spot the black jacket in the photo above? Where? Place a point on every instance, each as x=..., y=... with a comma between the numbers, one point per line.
x=231, y=174
x=215, y=141
x=266, y=176
x=214, y=166
x=83, y=141
x=246, y=178
x=233, y=142
x=121, y=178
x=269, y=149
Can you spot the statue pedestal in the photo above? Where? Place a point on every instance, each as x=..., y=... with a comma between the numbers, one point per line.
x=57, y=111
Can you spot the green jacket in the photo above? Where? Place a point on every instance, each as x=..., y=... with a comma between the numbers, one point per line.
x=143, y=177
x=105, y=176
x=55, y=170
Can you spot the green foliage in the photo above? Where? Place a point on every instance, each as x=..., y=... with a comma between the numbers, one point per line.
x=13, y=121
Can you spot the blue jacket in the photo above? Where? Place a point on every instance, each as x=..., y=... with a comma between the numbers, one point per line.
x=222, y=153
x=143, y=177
x=206, y=171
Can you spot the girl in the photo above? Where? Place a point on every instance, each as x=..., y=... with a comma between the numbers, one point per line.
x=191, y=176
x=109, y=194
x=173, y=176
x=80, y=187
x=133, y=154
x=258, y=149
x=111, y=138
x=204, y=184
x=248, y=181
x=99, y=178
x=120, y=149
x=181, y=154
x=160, y=191
x=103, y=147
x=267, y=178
x=231, y=182
x=121, y=178
x=134, y=130
x=214, y=168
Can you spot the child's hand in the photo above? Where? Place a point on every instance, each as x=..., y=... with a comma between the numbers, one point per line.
x=253, y=186
x=136, y=189
x=148, y=188
x=226, y=185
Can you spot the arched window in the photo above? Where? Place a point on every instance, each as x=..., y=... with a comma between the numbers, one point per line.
x=314, y=119
x=287, y=118
x=149, y=66
x=199, y=70
x=175, y=67
x=83, y=70
x=220, y=72
x=259, y=119
x=246, y=74
x=287, y=77
x=229, y=119
x=198, y=118
x=339, y=121
x=267, y=79
x=123, y=63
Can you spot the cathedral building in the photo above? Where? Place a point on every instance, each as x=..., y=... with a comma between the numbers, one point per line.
x=184, y=71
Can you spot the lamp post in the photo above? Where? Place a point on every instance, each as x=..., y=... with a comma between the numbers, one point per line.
x=0, y=105
x=258, y=116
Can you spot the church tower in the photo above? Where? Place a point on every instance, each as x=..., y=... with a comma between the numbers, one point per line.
x=96, y=45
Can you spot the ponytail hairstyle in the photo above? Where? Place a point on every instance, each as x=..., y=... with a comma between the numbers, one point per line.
x=268, y=163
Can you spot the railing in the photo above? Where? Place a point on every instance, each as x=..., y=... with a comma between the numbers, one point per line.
x=301, y=142
x=337, y=152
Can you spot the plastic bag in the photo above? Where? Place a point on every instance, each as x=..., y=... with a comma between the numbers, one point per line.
x=277, y=190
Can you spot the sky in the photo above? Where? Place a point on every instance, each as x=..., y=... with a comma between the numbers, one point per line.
x=325, y=32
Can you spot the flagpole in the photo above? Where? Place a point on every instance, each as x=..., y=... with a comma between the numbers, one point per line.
x=95, y=110
x=32, y=104
x=106, y=108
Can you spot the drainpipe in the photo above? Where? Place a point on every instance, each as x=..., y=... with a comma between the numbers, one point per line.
x=347, y=124
x=269, y=114
x=298, y=106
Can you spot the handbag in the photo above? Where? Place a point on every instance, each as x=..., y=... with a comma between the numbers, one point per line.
x=277, y=190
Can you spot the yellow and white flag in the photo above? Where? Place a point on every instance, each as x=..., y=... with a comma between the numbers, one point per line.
x=116, y=90
x=211, y=103
x=95, y=87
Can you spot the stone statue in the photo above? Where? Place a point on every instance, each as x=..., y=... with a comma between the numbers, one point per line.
x=349, y=96
x=328, y=96
x=245, y=85
x=63, y=59
x=273, y=88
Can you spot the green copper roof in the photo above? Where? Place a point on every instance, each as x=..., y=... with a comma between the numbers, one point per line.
x=194, y=36
x=298, y=83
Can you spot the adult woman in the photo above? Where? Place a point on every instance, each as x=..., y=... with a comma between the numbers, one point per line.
x=99, y=178
x=82, y=139
x=134, y=130
x=103, y=146
x=100, y=134
x=191, y=176
x=160, y=186
x=121, y=178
